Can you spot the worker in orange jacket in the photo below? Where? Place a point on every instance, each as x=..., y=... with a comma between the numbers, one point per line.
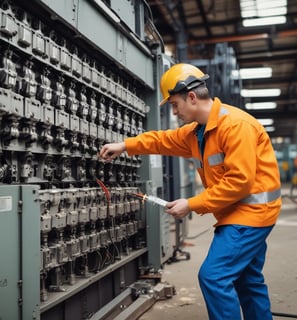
x=238, y=168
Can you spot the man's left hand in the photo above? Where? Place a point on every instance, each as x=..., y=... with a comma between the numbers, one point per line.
x=178, y=208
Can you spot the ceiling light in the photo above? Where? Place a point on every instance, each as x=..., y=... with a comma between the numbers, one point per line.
x=270, y=129
x=263, y=12
x=260, y=92
x=260, y=105
x=267, y=12
x=252, y=73
x=266, y=122
x=264, y=21
x=262, y=4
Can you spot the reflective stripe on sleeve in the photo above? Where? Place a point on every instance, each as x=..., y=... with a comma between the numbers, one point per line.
x=223, y=111
x=263, y=197
x=215, y=159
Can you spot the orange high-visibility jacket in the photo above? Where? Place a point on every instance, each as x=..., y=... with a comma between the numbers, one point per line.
x=238, y=169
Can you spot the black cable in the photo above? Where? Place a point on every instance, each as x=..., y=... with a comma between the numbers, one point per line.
x=284, y=315
x=198, y=235
x=151, y=19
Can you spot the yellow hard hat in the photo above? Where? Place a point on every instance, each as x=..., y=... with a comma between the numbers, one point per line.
x=180, y=77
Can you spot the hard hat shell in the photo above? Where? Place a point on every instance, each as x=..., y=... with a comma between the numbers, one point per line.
x=180, y=77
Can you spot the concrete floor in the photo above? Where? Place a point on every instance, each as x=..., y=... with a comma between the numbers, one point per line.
x=280, y=270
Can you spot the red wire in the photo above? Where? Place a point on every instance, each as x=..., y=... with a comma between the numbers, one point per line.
x=104, y=188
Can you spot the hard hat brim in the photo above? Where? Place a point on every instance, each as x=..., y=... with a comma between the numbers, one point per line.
x=163, y=102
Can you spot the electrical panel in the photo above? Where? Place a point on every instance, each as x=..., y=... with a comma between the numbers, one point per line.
x=72, y=78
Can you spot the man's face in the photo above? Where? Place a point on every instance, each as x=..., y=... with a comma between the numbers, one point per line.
x=183, y=108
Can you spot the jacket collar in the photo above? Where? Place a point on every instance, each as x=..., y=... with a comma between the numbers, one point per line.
x=212, y=121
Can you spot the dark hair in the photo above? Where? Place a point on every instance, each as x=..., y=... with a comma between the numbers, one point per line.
x=201, y=93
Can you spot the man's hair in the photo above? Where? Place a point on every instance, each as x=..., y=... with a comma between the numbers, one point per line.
x=201, y=92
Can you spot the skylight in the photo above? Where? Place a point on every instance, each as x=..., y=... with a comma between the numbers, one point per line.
x=263, y=12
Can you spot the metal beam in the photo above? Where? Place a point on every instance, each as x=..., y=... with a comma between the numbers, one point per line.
x=261, y=114
x=260, y=56
x=204, y=17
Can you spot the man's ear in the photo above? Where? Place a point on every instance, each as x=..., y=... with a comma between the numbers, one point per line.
x=192, y=96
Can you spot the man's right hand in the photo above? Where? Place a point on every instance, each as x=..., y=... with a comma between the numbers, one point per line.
x=111, y=150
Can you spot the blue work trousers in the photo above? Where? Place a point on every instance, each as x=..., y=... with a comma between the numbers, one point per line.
x=231, y=275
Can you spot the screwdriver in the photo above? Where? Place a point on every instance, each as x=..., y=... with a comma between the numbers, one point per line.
x=152, y=199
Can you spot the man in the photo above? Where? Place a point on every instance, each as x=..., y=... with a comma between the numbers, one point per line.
x=239, y=171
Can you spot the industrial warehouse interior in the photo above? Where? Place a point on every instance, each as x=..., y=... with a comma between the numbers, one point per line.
x=83, y=238
x=235, y=35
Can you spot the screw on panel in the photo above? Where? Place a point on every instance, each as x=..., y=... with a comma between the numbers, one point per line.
x=20, y=206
